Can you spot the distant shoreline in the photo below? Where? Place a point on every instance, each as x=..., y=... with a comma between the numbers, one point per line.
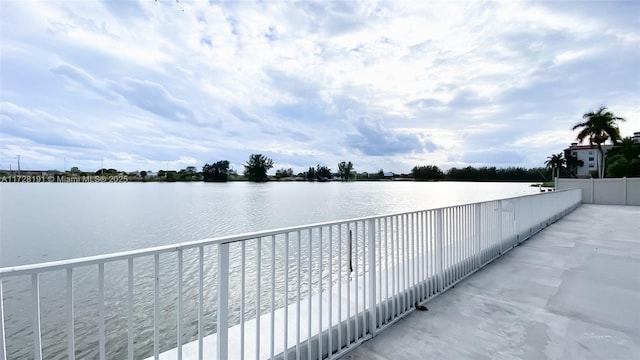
x=85, y=179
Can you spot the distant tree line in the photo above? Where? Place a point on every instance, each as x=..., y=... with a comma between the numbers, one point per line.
x=469, y=173
x=257, y=166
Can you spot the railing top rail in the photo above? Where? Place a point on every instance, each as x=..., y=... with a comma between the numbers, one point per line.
x=124, y=255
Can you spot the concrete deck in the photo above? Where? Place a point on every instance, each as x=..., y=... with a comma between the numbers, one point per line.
x=570, y=292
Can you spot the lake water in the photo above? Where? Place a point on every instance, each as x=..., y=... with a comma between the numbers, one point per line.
x=51, y=221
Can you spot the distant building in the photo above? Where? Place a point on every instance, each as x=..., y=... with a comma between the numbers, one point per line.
x=588, y=154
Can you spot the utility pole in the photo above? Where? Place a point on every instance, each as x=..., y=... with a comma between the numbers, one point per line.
x=18, y=157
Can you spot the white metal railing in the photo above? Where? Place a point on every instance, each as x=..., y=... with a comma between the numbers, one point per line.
x=302, y=292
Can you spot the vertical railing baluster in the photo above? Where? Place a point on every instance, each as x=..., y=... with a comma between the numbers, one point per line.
x=349, y=274
x=398, y=267
x=462, y=241
x=500, y=238
x=471, y=241
x=71, y=347
x=355, y=267
x=130, y=309
x=478, y=231
x=101, y=332
x=458, y=220
x=379, y=265
x=243, y=275
x=3, y=347
x=340, y=262
x=310, y=288
x=373, y=321
x=330, y=287
x=286, y=296
x=405, y=263
x=421, y=250
x=223, y=301
x=258, y=280
x=414, y=259
x=320, y=294
x=201, y=301
x=365, y=320
x=386, y=265
x=179, y=307
x=298, y=284
x=394, y=293
x=156, y=306
x=439, y=252
x=35, y=297
x=273, y=296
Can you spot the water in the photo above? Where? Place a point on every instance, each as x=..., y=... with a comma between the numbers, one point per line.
x=46, y=222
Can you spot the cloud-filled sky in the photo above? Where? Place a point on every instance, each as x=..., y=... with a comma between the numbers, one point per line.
x=146, y=85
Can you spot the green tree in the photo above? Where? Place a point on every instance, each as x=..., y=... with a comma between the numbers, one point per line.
x=573, y=163
x=171, y=176
x=190, y=173
x=216, y=172
x=624, y=159
x=323, y=173
x=256, y=168
x=311, y=174
x=598, y=127
x=429, y=172
x=143, y=175
x=282, y=173
x=345, y=169
x=555, y=162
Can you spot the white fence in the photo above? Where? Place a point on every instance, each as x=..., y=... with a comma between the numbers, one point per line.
x=304, y=292
x=607, y=191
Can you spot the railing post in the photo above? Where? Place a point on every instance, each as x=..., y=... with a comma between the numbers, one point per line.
x=439, y=249
x=373, y=321
x=223, y=301
x=3, y=348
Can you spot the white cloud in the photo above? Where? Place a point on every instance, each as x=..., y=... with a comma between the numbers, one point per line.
x=193, y=82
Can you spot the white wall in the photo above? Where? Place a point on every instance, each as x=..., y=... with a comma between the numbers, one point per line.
x=614, y=191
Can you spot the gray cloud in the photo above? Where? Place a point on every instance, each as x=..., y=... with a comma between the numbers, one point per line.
x=124, y=9
x=82, y=79
x=371, y=138
x=154, y=98
x=494, y=156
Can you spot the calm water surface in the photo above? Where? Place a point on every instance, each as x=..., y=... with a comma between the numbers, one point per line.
x=50, y=221
x=46, y=222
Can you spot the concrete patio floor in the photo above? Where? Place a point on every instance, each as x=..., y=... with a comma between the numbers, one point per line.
x=570, y=292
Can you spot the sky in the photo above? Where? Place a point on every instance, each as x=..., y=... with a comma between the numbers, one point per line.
x=149, y=85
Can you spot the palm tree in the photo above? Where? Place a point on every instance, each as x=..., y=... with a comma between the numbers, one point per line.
x=555, y=161
x=598, y=127
x=573, y=163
